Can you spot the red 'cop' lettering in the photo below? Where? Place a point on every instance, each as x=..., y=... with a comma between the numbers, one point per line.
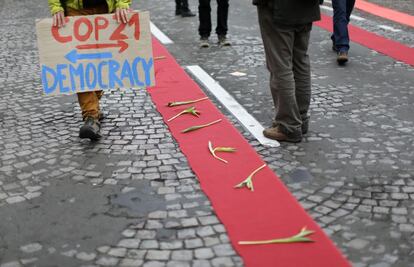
x=99, y=24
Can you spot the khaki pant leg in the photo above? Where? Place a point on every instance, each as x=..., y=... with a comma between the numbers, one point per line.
x=89, y=101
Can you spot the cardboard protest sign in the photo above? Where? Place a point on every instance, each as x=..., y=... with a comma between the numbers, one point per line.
x=95, y=53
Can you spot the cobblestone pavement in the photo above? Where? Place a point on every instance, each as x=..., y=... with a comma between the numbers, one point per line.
x=131, y=199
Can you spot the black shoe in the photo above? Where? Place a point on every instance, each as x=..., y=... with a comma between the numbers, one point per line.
x=178, y=12
x=90, y=129
x=223, y=41
x=187, y=13
x=204, y=42
x=342, y=57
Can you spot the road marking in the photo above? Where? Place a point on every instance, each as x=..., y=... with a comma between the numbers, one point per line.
x=247, y=120
x=160, y=35
x=389, y=28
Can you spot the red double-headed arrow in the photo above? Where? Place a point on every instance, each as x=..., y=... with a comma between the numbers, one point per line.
x=121, y=44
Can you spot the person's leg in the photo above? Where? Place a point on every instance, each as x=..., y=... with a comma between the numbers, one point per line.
x=278, y=43
x=222, y=17
x=302, y=73
x=177, y=7
x=89, y=101
x=340, y=36
x=204, y=11
x=349, y=7
x=185, y=10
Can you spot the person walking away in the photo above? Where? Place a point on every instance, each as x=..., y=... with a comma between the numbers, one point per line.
x=204, y=30
x=88, y=101
x=181, y=8
x=340, y=37
x=285, y=27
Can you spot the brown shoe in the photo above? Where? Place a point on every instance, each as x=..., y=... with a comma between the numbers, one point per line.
x=276, y=134
x=342, y=57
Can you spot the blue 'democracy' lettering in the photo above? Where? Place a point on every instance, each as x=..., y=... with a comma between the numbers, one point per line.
x=103, y=75
x=113, y=78
x=77, y=72
x=46, y=88
x=135, y=68
x=100, y=82
x=61, y=78
x=147, y=69
x=126, y=73
x=91, y=76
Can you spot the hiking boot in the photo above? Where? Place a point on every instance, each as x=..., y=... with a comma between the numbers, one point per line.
x=90, y=129
x=223, y=41
x=187, y=13
x=101, y=115
x=204, y=42
x=342, y=57
x=276, y=134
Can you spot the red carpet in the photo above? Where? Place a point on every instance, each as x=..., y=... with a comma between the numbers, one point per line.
x=373, y=41
x=386, y=13
x=268, y=212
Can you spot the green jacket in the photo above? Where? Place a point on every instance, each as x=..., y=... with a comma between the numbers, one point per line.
x=55, y=5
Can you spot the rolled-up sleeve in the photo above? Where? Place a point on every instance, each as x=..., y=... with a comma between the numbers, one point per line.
x=123, y=3
x=55, y=6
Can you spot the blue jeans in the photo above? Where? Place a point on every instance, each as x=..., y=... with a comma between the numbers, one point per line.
x=342, y=13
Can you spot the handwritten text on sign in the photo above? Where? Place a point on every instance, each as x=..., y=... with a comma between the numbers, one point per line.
x=95, y=53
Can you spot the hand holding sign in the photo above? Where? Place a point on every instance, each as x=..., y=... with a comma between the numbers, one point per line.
x=59, y=19
x=121, y=15
x=95, y=52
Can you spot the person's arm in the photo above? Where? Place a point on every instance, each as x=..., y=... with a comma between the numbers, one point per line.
x=58, y=13
x=122, y=9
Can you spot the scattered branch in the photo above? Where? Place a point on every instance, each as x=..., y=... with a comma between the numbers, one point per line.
x=173, y=104
x=219, y=149
x=190, y=110
x=193, y=128
x=298, y=238
x=249, y=182
x=160, y=57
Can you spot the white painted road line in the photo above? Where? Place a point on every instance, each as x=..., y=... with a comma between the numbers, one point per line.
x=388, y=28
x=160, y=35
x=247, y=120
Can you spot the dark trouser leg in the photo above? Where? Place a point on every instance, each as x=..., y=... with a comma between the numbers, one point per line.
x=302, y=73
x=340, y=37
x=204, y=11
x=222, y=16
x=349, y=7
x=177, y=5
x=279, y=46
x=184, y=5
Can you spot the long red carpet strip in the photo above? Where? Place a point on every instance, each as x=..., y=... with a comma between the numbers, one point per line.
x=373, y=41
x=386, y=13
x=268, y=212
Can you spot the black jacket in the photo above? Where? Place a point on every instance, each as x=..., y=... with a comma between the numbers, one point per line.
x=293, y=12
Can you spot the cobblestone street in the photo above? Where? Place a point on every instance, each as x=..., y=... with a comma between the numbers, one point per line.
x=131, y=198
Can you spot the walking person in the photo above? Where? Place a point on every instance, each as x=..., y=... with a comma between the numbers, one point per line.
x=88, y=101
x=285, y=26
x=340, y=37
x=204, y=10
x=181, y=8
